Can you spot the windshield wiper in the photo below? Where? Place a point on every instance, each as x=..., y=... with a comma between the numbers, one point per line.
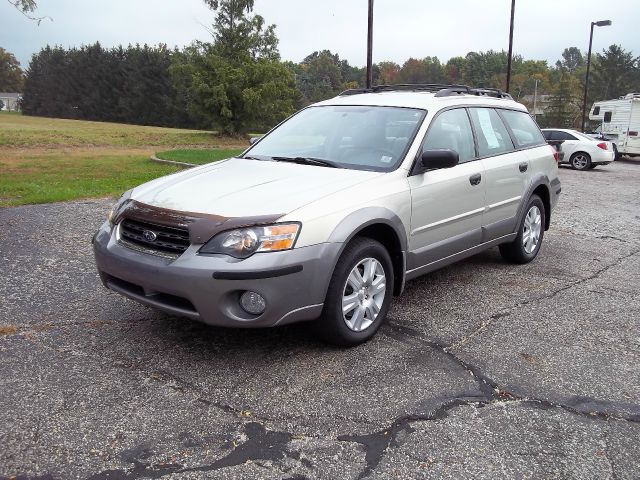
x=249, y=157
x=308, y=161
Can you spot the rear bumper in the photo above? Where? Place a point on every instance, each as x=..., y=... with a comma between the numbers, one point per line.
x=208, y=287
x=603, y=158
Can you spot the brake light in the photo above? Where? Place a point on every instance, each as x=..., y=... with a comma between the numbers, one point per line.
x=555, y=153
x=602, y=145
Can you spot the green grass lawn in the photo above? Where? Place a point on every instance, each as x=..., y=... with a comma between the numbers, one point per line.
x=55, y=177
x=48, y=160
x=22, y=131
x=199, y=156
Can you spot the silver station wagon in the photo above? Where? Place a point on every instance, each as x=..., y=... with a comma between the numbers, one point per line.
x=327, y=216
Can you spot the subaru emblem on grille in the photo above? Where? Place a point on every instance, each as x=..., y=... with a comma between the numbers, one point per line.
x=149, y=236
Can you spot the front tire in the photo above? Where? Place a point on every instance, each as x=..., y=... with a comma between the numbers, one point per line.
x=359, y=294
x=526, y=245
x=580, y=161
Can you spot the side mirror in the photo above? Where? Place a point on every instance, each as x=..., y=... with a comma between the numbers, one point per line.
x=253, y=140
x=439, y=159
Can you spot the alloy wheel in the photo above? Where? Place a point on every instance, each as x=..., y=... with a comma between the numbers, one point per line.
x=580, y=162
x=532, y=229
x=363, y=294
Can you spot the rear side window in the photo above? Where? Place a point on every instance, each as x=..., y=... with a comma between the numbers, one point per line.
x=524, y=129
x=563, y=136
x=607, y=117
x=492, y=135
x=451, y=130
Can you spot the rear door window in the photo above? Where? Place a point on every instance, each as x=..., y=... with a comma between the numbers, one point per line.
x=493, y=137
x=524, y=129
x=559, y=135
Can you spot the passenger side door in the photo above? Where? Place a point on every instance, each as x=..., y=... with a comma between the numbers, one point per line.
x=506, y=172
x=446, y=203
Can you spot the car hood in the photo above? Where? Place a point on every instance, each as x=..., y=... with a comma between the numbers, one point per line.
x=242, y=187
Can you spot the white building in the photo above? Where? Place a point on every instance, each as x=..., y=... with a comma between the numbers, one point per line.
x=10, y=101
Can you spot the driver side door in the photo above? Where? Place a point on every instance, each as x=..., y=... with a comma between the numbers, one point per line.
x=447, y=204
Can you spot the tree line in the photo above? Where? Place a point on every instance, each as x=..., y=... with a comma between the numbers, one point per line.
x=237, y=82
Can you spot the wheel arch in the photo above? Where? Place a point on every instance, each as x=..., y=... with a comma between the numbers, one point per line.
x=578, y=152
x=379, y=224
x=540, y=186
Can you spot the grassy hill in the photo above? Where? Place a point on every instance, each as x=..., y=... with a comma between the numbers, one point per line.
x=48, y=160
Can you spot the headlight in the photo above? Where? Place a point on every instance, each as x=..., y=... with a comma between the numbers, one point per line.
x=244, y=242
x=116, y=206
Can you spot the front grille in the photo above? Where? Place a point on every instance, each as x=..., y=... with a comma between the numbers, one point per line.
x=172, y=240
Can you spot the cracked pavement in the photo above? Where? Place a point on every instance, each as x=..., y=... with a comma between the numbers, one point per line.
x=483, y=370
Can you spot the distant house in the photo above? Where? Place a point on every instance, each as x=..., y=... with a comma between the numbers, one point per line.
x=10, y=101
x=542, y=103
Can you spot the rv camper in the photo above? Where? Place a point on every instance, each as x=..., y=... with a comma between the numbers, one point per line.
x=620, y=122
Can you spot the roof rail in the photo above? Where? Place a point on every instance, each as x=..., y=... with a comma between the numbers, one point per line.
x=441, y=90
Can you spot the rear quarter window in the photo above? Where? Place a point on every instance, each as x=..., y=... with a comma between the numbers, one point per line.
x=523, y=127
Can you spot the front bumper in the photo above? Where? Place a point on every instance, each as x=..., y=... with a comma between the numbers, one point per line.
x=208, y=287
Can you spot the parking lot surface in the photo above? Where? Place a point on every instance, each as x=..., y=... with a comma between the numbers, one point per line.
x=484, y=369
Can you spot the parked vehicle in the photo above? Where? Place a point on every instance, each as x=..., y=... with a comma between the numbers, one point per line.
x=329, y=214
x=620, y=123
x=581, y=151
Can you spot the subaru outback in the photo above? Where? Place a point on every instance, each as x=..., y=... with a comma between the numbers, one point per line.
x=326, y=217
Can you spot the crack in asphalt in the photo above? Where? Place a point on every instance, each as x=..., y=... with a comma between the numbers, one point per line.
x=507, y=311
x=271, y=445
x=377, y=443
x=261, y=444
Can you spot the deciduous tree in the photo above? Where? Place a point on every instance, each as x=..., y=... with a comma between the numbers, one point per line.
x=11, y=77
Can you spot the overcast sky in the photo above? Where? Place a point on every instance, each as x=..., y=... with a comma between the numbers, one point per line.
x=402, y=28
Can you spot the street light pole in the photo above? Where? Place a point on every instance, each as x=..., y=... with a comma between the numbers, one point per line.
x=535, y=98
x=513, y=8
x=601, y=23
x=370, y=45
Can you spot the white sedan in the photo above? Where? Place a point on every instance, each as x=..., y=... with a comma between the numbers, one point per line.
x=581, y=151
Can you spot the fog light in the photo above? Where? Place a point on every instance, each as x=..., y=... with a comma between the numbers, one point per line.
x=253, y=303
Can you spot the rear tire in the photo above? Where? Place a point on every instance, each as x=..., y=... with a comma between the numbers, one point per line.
x=527, y=244
x=580, y=161
x=357, y=303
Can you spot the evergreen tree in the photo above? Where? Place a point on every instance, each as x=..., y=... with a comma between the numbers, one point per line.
x=237, y=83
x=615, y=73
x=564, y=107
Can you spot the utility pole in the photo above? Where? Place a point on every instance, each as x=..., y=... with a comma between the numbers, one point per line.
x=370, y=45
x=513, y=8
x=601, y=23
x=535, y=98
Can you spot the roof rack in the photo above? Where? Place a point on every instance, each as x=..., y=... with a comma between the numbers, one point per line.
x=440, y=89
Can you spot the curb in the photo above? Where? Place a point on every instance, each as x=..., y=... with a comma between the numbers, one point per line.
x=153, y=158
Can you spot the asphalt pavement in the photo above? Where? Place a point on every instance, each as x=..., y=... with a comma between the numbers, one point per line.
x=483, y=370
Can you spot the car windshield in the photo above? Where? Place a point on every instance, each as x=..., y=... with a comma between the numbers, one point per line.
x=347, y=136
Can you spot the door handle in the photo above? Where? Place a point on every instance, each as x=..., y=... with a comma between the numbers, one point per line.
x=475, y=179
x=523, y=167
